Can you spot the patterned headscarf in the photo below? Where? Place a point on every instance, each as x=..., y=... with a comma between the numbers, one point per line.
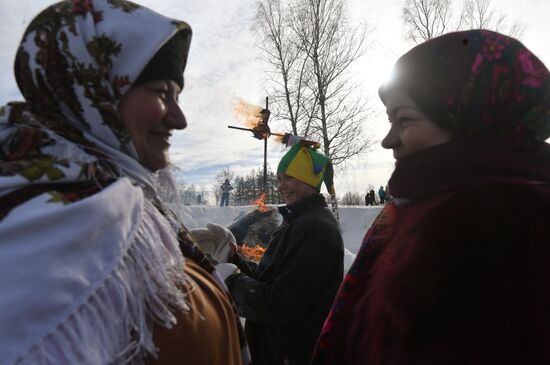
x=477, y=83
x=75, y=61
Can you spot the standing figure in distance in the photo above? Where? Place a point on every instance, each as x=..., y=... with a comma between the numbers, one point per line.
x=382, y=195
x=387, y=194
x=225, y=188
x=372, y=197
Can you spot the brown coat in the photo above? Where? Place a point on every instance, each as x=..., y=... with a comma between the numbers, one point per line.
x=208, y=334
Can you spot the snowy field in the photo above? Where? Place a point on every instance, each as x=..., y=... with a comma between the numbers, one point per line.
x=355, y=220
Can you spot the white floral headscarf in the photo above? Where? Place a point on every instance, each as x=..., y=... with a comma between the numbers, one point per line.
x=75, y=61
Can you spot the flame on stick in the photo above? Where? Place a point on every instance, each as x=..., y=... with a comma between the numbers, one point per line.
x=248, y=114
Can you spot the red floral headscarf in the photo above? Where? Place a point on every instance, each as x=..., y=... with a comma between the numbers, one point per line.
x=478, y=83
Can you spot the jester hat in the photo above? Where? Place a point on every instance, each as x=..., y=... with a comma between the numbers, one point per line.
x=308, y=165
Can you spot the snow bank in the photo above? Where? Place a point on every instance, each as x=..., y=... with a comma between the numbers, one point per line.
x=197, y=216
x=354, y=220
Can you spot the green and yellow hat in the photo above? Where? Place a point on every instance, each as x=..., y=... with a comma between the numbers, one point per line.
x=308, y=165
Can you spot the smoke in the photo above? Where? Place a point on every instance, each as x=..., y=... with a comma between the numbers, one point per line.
x=248, y=114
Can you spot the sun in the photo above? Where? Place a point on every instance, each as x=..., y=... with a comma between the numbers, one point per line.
x=376, y=71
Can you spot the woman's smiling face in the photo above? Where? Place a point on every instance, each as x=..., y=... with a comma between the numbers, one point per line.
x=411, y=130
x=292, y=189
x=150, y=112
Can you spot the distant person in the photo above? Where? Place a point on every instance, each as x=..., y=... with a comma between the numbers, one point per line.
x=382, y=195
x=455, y=269
x=369, y=198
x=199, y=199
x=387, y=194
x=225, y=189
x=286, y=297
x=94, y=268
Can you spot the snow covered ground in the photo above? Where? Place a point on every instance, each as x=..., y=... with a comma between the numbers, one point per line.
x=355, y=220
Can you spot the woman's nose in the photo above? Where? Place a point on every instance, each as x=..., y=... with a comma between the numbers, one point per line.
x=391, y=139
x=176, y=119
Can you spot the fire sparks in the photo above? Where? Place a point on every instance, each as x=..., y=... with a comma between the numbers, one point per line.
x=260, y=202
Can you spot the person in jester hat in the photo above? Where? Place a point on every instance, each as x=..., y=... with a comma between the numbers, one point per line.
x=286, y=297
x=94, y=268
x=455, y=269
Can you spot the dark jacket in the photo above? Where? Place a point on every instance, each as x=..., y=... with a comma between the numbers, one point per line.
x=286, y=298
x=226, y=188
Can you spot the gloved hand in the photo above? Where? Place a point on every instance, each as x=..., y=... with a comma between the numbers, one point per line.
x=226, y=269
x=217, y=241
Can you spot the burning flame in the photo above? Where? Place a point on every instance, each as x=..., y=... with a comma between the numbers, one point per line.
x=247, y=113
x=252, y=253
x=260, y=202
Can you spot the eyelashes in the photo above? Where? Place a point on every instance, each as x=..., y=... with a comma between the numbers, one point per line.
x=401, y=120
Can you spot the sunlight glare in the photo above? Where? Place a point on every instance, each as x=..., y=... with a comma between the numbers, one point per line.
x=377, y=72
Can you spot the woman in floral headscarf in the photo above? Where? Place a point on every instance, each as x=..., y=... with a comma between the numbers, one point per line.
x=455, y=269
x=91, y=264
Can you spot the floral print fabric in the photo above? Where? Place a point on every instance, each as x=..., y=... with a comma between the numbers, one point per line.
x=507, y=93
x=75, y=61
x=478, y=83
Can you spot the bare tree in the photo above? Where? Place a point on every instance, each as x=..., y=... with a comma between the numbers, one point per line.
x=481, y=14
x=352, y=198
x=426, y=19
x=310, y=47
x=287, y=63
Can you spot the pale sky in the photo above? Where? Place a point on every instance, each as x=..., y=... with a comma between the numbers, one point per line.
x=223, y=65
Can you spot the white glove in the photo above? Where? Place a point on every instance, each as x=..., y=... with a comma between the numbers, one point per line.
x=226, y=269
x=217, y=241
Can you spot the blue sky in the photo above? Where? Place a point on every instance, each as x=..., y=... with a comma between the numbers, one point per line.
x=224, y=66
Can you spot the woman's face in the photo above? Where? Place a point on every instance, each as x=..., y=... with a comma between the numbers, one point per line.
x=411, y=130
x=293, y=190
x=151, y=112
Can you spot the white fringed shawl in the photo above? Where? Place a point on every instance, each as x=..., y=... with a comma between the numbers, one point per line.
x=81, y=283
